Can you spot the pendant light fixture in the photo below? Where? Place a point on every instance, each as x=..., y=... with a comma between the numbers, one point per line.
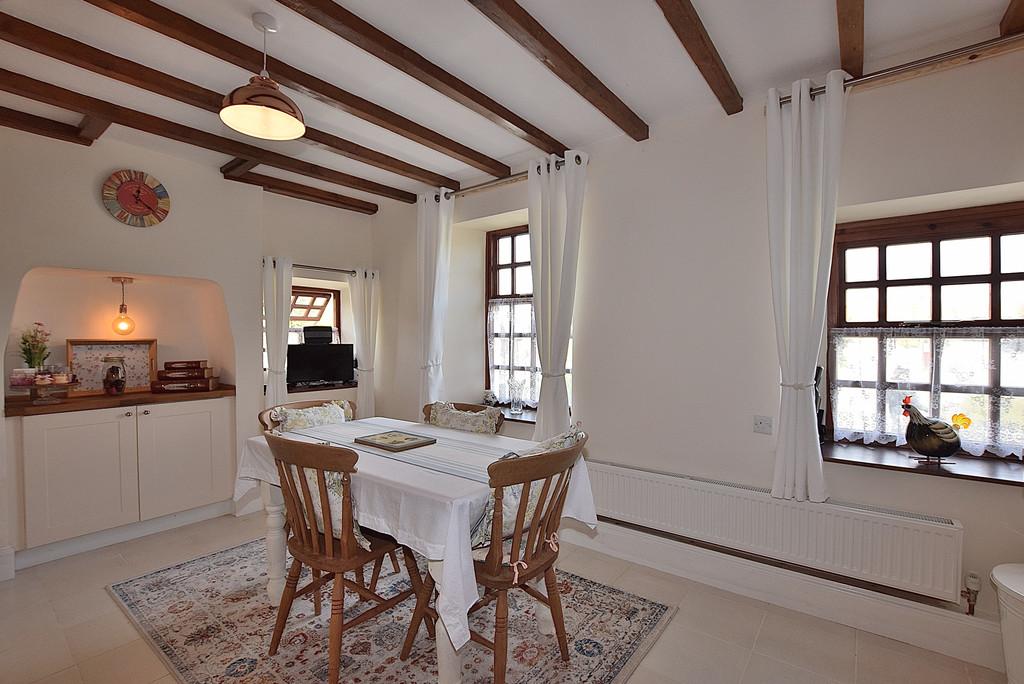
x=123, y=324
x=259, y=108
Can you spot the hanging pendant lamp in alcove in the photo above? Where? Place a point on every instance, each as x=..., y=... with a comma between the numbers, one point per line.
x=123, y=323
x=259, y=108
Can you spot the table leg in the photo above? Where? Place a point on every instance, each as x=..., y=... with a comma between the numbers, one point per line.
x=273, y=502
x=449, y=664
x=545, y=623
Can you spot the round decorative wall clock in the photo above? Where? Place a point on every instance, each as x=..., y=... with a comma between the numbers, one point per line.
x=135, y=198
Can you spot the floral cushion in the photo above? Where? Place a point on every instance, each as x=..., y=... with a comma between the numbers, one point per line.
x=444, y=414
x=346, y=406
x=481, y=535
x=296, y=418
x=333, y=482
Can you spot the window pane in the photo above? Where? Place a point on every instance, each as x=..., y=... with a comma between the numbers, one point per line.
x=908, y=303
x=501, y=317
x=522, y=351
x=505, y=250
x=300, y=313
x=964, y=362
x=966, y=302
x=1011, y=300
x=1011, y=362
x=524, y=280
x=1011, y=421
x=974, y=406
x=971, y=256
x=908, y=359
x=499, y=351
x=855, y=409
x=304, y=301
x=504, y=281
x=523, y=247
x=1011, y=253
x=857, y=358
x=895, y=421
x=908, y=261
x=861, y=264
x=522, y=318
x=862, y=305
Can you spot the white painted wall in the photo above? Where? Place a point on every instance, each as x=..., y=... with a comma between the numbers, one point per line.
x=674, y=339
x=217, y=231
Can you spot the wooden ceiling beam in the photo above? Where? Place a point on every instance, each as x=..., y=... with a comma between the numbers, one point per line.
x=364, y=35
x=179, y=27
x=850, y=19
x=238, y=166
x=1013, y=19
x=30, y=123
x=68, y=50
x=40, y=91
x=688, y=27
x=511, y=18
x=92, y=127
x=279, y=186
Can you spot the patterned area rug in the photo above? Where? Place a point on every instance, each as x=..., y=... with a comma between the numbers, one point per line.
x=210, y=620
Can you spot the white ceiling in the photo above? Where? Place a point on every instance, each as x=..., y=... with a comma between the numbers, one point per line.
x=626, y=43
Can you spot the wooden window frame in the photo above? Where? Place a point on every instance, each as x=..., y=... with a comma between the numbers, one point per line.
x=305, y=290
x=491, y=282
x=992, y=221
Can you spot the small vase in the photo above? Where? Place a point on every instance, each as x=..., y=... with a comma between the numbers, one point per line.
x=515, y=397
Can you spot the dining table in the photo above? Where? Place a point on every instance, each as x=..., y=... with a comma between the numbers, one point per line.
x=428, y=499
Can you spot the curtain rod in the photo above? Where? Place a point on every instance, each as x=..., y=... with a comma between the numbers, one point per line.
x=967, y=51
x=318, y=268
x=497, y=182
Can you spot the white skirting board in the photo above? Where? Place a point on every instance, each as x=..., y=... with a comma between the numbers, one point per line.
x=6, y=563
x=970, y=638
x=69, y=547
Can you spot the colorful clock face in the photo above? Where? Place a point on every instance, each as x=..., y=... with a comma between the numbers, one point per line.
x=136, y=198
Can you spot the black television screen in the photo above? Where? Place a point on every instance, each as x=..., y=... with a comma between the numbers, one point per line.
x=319, y=363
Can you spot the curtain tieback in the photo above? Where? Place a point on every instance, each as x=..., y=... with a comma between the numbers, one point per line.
x=797, y=385
x=433, y=364
x=365, y=370
x=553, y=375
x=276, y=372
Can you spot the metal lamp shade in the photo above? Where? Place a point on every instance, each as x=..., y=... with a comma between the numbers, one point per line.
x=261, y=110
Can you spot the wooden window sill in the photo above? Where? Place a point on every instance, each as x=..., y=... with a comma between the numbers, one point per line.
x=995, y=470
x=528, y=415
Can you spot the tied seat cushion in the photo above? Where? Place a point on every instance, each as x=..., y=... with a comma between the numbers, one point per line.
x=481, y=535
x=444, y=414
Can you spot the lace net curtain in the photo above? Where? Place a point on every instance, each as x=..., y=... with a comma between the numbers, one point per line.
x=975, y=371
x=512, y=350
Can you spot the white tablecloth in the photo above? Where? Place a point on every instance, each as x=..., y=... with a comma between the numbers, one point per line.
x=417, y=503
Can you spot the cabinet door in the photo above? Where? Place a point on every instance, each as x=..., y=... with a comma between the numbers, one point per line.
x=185, y=455
x=81, y=473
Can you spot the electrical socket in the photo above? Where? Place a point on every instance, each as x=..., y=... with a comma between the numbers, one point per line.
x=763, y=425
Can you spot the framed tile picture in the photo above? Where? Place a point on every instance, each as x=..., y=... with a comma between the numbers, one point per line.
x=85, y=359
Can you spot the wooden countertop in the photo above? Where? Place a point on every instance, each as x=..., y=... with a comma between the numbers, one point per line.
x=22, y=406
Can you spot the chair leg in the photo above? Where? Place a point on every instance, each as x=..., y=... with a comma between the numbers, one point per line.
x=375, y=575
x=337, y=626
x=286, y=604
x=394, y=561
x=316, y=594
x=557, y=616
x=360, y=574
x=422, y=603
x=501, y=637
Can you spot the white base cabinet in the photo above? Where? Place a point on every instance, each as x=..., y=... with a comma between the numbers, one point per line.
x=87, y=471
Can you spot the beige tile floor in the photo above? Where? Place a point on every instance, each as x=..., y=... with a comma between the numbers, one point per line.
x=58, y=625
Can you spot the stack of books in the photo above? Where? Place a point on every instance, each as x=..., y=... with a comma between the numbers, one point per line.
x=186, y=376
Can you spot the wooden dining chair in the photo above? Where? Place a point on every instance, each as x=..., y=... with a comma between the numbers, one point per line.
x=530, y=553
x=473, y=408
x=269, y=423
x=313, y=523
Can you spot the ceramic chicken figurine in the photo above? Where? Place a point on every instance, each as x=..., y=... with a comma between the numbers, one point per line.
x=932, y=438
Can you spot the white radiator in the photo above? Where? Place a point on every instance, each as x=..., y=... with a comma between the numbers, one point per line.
x=909, y=551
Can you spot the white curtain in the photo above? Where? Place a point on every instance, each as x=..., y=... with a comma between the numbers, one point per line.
x=804, y=146
x=556, y=211
x=365, y=287
x=277, y=305
x=434, y=249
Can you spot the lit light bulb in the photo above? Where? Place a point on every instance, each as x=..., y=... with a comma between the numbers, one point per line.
x=123, y=324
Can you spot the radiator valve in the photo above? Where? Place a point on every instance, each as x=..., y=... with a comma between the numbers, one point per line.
x=972, y=585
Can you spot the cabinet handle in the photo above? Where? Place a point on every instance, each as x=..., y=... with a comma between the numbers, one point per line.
x=145, y=412
x=128, y=414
